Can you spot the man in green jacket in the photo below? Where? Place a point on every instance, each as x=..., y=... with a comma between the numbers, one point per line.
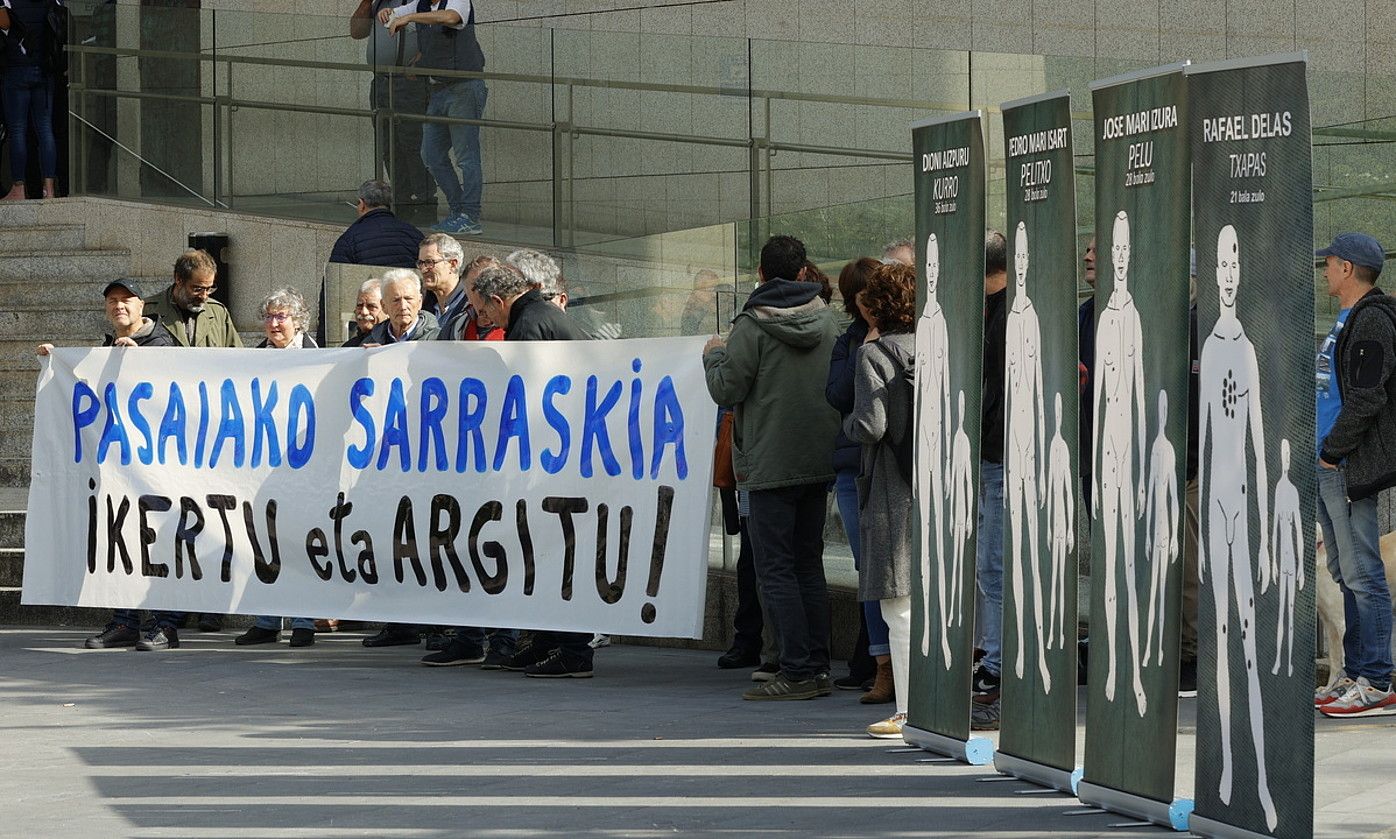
x=772, y=371
x=185, y=308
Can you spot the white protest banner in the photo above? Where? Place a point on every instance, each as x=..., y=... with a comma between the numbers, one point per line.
x=539, y=485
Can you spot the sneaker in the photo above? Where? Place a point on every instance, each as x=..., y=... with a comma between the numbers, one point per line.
x=159, y=638
x=470, y=226
x=824, y=683
x=257, y=635
x=494, y=661
x=438, y=641
x=525, y=658
x=302, y=637
x=1187, y=679
x=115, y=635
x=210, y=623
x=737, y=658
x=985, y=686
x=1362, y=700
x=984, y=716
x=393, y=636
x=888, y=729
x=460, y=224
x=780, y=688
x=557, y=667
x=852, y=682
x=598, y=641
x=1333, y=692
x=458, y=652
x=766, y=672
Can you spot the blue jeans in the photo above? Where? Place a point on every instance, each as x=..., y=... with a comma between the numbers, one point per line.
x=28, y=94
x=462, y=100
x=988, y=565
x=1354, y=559
x=274, y=622
x=502, y=641
x=846, y=494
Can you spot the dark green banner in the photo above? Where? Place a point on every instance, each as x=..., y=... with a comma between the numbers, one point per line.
x=1253, y=224
x=950, y=182
x=1038, y=722
x=1140, y=405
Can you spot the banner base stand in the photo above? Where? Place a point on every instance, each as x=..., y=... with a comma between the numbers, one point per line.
x=1162, y=813
x=1203, y=826
x=976, y=751
x=1034, y=773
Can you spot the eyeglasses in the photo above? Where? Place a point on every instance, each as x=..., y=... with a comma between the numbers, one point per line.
x=427, y=263
x=202, y=289
x=276, y=319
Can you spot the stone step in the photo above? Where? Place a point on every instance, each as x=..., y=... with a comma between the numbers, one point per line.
x=14, y=471
x=44, y=268
x=47, y=237
x=11, y=528
x=59, y=324
x=11, y=566
x=16, y=441
x=17, y=350
x=11, y=612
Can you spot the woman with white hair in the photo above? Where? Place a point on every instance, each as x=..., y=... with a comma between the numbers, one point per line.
x=285, y=319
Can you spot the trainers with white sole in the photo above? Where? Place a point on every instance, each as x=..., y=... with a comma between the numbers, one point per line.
x=1362, y=700
x=1333, y=692
x=888, y=729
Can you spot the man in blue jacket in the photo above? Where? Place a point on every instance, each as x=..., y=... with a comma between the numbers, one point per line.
x=377, y=237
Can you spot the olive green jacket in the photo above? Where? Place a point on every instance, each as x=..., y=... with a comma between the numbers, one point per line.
x=213, y=327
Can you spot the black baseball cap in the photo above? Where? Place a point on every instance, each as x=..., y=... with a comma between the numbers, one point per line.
x=128, y=284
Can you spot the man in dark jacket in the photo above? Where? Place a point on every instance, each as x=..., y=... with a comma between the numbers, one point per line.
x=1356, y=425
x=377, y=237
x=770, y=370
x=504, y=297
x=131, y=328
x=402, y=300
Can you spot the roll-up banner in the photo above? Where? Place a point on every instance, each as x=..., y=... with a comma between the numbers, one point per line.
x=1037, y=738
x=950, y=183
x=1252, y=227
x=1140, y=420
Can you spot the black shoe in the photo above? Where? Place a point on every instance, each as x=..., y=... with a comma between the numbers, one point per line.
x=985, y=686
x=115, y=635
x=494, y=661
x=393, y=637
x=302, y=637
x=737, y=658
x=160, y=638
x=437, y=641
x=210, y=623
x=781, y=688
x=852, y=682
x=984, y=716
x=457, y=653
x=824, y=683
x=525, y=658
x=257, y=635
x=1187, y=679
x=766, y=672
x=557, y=667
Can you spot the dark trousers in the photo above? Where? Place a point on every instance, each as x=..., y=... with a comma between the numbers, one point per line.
x=748, y=622
x=132, y=618
x=404, y=165
x=572, y=646
x=787, y=536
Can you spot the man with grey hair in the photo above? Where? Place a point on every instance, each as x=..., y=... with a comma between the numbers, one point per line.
x=899, y=250
x=377, y=237
x=402, y=300
x=441, y=260
x=368, y=310
x=543, y=272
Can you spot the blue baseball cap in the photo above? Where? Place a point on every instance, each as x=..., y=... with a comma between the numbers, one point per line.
x=1357, y=248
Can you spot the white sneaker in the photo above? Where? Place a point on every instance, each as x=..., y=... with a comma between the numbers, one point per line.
x=1333, y=692
x=598, y=641
x=888, y=729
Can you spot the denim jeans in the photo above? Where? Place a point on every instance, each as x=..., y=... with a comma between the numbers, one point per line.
x=846, y=494
x=988, y=565
x=501, y=641
x=132, y=618
x=274, y=622
x=1354, y=559
x=787, y=535
x=462, y=100
x=28, y=95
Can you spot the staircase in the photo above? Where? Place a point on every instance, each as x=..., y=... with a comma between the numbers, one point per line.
x=50, y=291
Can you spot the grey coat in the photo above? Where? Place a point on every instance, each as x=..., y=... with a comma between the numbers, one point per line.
x=882, y=413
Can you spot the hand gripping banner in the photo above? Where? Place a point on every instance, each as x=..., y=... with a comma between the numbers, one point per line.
x=1140, y=394
x=1252, y=225
x=950, y=183
x=1037, y=739
x=533, y=485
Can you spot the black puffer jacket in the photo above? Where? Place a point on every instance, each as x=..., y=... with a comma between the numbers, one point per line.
x=378, y=238
x=151, y=334
x=838, y=391
x=1365, y=432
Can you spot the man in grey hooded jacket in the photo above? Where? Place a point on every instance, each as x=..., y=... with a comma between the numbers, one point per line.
x=771, y=370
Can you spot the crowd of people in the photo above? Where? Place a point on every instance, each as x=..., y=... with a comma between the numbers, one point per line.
x=819, y=399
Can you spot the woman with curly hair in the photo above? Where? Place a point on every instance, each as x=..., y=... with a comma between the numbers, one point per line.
x=882, y=420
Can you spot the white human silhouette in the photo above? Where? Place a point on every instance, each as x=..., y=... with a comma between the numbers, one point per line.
x=1286, y=563
x=1230, y=396
x=1024, y=463
x=932, y=443
x=1061, y=515
x=1161, y=525
x=1119, y=407
x=961, y=492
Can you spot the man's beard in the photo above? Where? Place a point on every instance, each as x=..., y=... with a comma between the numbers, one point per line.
x=189, y=304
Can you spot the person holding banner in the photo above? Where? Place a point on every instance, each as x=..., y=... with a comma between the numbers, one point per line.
x=125, y=309
x=883, y=421
x=285, y=319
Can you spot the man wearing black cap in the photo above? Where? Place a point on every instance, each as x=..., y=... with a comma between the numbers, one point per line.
x=1356, y=425
x=125, y=308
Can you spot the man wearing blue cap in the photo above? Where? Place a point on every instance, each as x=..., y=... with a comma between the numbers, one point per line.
x=1356, y=425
